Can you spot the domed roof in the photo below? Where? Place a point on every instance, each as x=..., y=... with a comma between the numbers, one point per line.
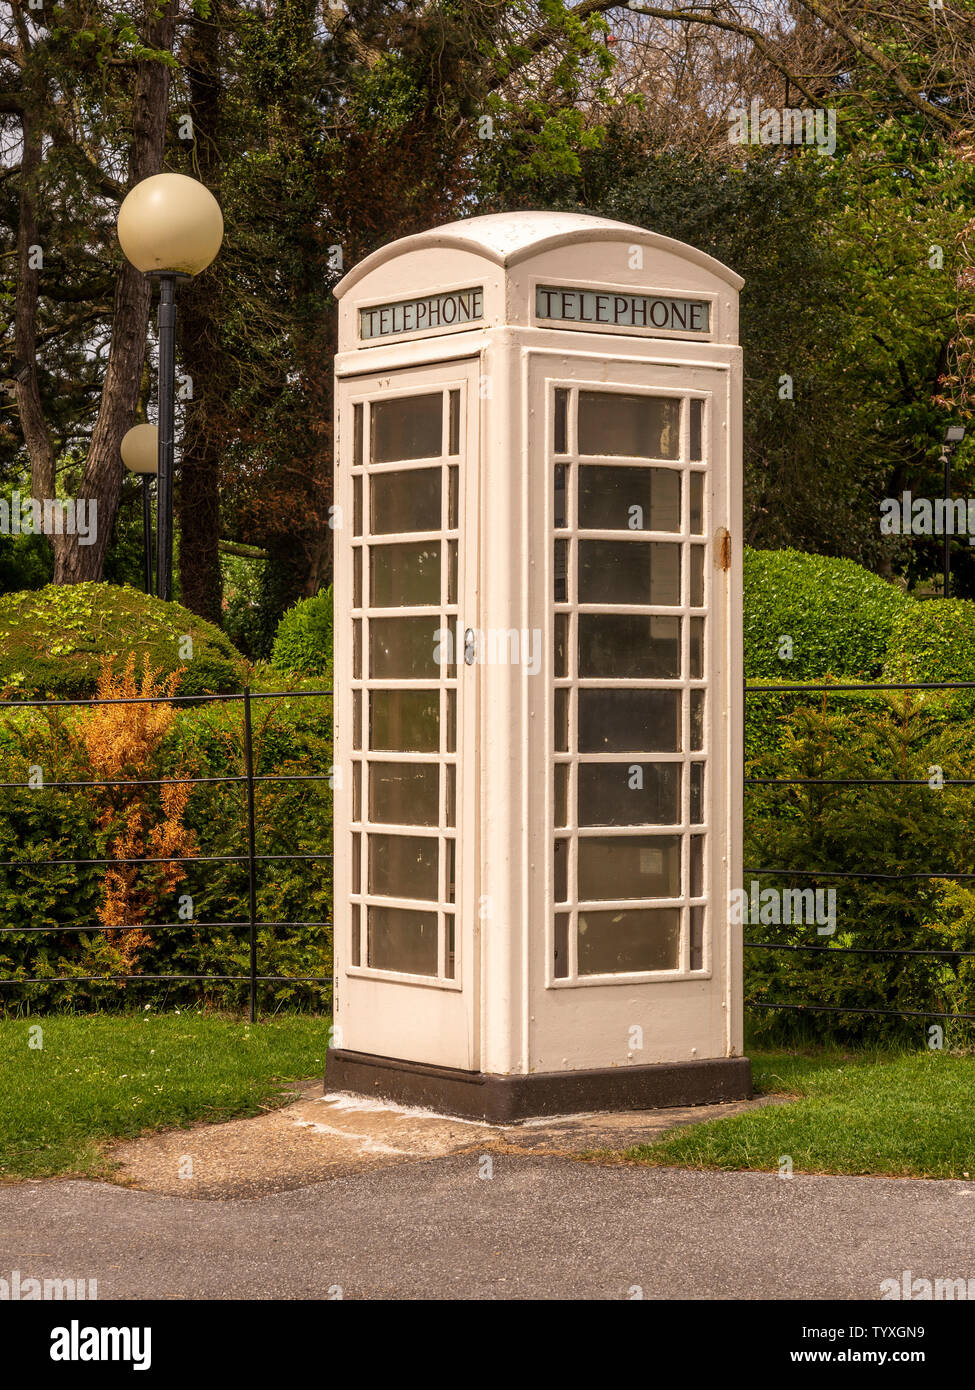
x=508, y=237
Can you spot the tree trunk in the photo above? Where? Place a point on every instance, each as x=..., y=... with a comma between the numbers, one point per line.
x=104, y=471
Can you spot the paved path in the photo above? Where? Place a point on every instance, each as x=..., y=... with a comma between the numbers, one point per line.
x=540, y=1227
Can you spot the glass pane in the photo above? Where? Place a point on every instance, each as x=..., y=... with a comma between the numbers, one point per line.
x=696, y=422
x=407, y=428
x=405, y=720
x=407, y=501
x=357, y=791
x=629, y=572
x=451, y=813
x=561, y=870
x=561, y=644
x=634, y=426
x=697, y=866
x=400, y=939
x=561, y=571
x=451, y=571
x=357, y=863
x=629, y=499
x=357, y=505
x=623, y=645
x=453, y=446
x=357, y=649
x=561, y=945
x=450, y=947
x=697, y=721
x=450, y=850
x=356, y=936
x=561, y=793
x=451, y=721
x=453, y=483
x=560, y=513
x=561, y=413
x=697, y=504
x=357, y=719
x=629, y=793
x=697, y=938
x=629, y=721
x=357, y=577
x=697, y=793
x=404, y=866
x=637, y=866
x=611, y=943
x=697, y=649
x=697, y=576
x=404, y=576
x=561, y=721
x=404, y=793
x=356, y=435
x=403, y=648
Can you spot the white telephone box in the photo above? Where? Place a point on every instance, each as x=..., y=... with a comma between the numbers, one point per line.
x=538, y=673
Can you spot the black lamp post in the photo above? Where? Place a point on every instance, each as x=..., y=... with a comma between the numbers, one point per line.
x=140, y=454
x=170, y=227
x=954, y=435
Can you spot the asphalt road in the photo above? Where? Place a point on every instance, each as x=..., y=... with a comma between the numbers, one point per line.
x=538, y=1228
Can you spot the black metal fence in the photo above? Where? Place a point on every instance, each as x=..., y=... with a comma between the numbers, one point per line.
x=248, y=779
x=829, y=688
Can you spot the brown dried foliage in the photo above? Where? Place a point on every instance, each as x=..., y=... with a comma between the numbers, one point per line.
x=121, y=741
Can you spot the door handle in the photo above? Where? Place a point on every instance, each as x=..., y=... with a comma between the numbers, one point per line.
x=470, y=647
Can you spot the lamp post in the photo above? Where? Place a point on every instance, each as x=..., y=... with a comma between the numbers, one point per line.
x=954, y=435
x=170, y=227
x=140, y=454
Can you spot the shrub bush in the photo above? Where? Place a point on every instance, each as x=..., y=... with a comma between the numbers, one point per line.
x=290, y=735
x=303, y=643
x=838, y=617
x=53, y=641
x=935, y=641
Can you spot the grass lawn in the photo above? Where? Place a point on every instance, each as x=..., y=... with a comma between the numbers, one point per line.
x=895, y=1113
x=106, y=1077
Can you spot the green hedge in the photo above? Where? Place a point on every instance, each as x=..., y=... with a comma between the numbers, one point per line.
x=837, y=616
x=935, y=641
x=303, y=643
x=291, y=734
x=53, y=641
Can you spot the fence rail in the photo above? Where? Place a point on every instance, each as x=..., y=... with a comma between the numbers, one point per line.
x=830, y=687
x=248, y=779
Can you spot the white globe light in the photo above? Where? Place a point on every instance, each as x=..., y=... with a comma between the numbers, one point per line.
x=140, y=449
x=170, y=223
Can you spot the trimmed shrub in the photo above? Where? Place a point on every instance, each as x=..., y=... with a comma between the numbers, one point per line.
x=303, y=643
x=812, y=616
x=291, y=735
x=53, y=641
x=935, y=641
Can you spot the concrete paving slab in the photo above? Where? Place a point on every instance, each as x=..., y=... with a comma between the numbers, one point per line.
x=327, y=1136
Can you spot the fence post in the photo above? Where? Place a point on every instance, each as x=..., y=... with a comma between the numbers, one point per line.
x=251, y=849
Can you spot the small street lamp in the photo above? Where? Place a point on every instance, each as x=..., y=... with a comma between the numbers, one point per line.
x=170, y=227
x=140, y=454
x=954, y=435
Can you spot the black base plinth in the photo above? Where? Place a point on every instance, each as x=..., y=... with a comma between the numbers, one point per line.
x=503, y=1099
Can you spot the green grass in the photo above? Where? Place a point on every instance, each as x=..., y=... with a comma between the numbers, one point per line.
x=894, y=1113
x=103, y=1077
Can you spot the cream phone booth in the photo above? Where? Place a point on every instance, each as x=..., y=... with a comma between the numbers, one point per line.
x=538, y=702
